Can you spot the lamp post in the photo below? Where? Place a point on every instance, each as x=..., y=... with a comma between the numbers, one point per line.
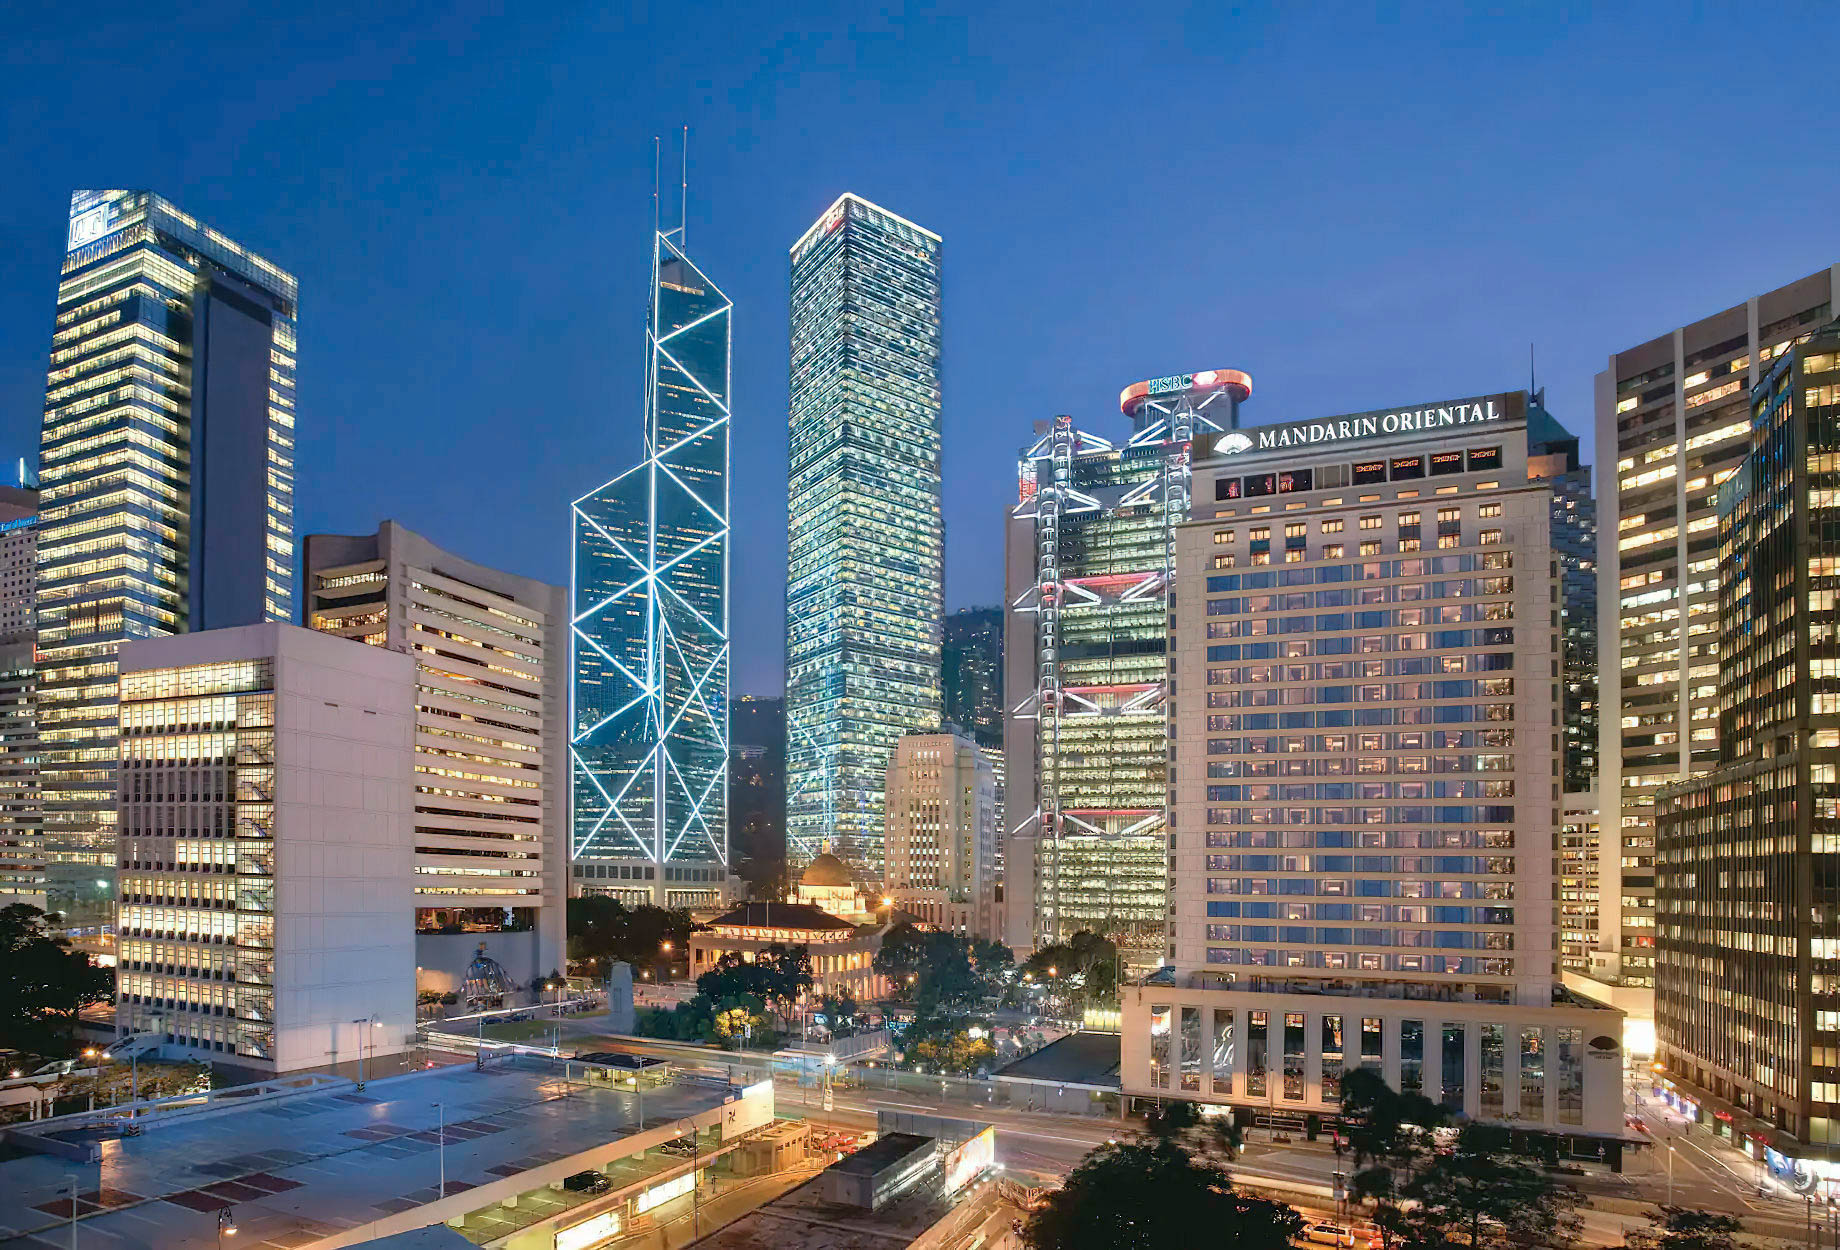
x=226, y=1226
x=440, y=1133
x=374, y=1023
x=1670, y=1158
x=73, y=1182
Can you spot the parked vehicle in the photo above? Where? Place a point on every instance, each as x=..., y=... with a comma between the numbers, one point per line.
x=1324, y=1233
x=589, y=1182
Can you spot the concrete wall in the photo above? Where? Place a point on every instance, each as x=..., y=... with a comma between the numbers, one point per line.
x=344, y=725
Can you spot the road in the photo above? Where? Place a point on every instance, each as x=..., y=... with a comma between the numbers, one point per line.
x=1709, y=1174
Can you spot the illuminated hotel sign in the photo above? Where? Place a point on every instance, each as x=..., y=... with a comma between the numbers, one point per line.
x=1383, y=422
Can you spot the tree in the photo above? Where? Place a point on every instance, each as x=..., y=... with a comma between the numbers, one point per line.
x=1678, y=1228
x=44, y=984
x=840, y=1013
x=937, y=970
x=954, y=1052
x=777, y=976
x=1390, y=1135
x=1151, y=1196
x=1481, y=1187
x=1171, y=1119
x=605, y=929
x=1087, y=962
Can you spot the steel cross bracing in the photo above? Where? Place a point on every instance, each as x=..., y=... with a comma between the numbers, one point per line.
x=1171, y=425
x=649, y=638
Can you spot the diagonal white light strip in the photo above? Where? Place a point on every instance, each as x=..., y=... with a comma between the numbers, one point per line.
x=691, y=325
x=691, y=437
x=660, y=349
x=685, y=487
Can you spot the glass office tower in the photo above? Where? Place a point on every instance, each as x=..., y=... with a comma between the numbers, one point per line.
x=1091, y=544
x=167, y=485
x=649, y=651
x=865, y=565
x=1747, y=860
x=1673, y=412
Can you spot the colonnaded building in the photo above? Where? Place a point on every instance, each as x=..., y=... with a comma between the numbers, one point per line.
x=1366, y=715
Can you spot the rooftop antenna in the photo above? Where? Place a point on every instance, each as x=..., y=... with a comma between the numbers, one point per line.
x=683, y=212
x=657, y=157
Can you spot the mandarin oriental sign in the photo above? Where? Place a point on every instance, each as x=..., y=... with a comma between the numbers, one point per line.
x=1377, y=424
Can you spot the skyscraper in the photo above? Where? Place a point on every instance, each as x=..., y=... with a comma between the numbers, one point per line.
x=264, y=917
x=1747, y=862
x=650, y=644
x=491, y=806
x=1365, y=781
x=865, y=561
x=22, y=863
x=941, y=833
x=1672, y=423
x=971, y=674
x=1090, y=548
x=757, y=793
x=166, y=473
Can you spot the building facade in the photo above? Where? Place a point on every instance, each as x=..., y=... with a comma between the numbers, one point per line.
x=1673, y=418
x=971, y=674
x=842, y=953
x=22, y=863
x=1747, y=986
x=941, y=834
x=1366, y=781
x=265, y=847
x=757, y=793
x=865, y=576
x=166, y=471
x=649, y=649
x=1089, y=552
x=1580, y=847
x=491, y=812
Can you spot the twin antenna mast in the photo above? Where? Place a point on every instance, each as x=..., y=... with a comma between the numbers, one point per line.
x=683, y=211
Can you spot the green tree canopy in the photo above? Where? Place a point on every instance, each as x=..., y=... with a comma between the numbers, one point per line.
x=776, y=976
x=1481, y=1189
x=1678, y=1228
x=1087, y=961
x=43, y=983
x=606, y=929
x=934, y=970
x=1429, y=1191
x=1154, y=1196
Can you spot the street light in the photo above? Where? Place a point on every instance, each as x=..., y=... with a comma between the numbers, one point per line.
x=375, y=1023
x=440, y=1120
x=1670, y=1174
x=226, y=1225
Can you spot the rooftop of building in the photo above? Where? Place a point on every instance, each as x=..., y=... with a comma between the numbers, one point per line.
x=768, y=915
x=803, y=1218
x=1078, y=1059
x=298, y=1169
x=884, y=1151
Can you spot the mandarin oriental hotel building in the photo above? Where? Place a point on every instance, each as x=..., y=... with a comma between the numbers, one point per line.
x=1365, y=781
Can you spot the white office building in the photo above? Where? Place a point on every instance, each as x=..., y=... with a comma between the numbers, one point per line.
x=265, y=813
x=1365, y=787
x=491, y=803
x=941, y=832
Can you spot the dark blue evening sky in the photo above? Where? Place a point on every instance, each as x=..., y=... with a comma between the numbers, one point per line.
x=1360, y=210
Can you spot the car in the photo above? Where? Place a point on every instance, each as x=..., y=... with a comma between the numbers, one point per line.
x=1323, y=1233
x=589, y=1182
x=678, y=1146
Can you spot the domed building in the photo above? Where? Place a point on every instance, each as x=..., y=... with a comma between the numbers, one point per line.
x=827, y=884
